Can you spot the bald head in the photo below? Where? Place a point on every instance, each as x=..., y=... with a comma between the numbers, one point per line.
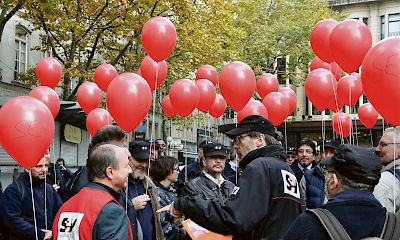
x=102, y=156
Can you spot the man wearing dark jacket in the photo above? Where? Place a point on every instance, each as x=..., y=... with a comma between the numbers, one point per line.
x=267, y=198
x=305, y=158
x=211, y=184
x=351, y=175
x=94, y=213
x=16, y=205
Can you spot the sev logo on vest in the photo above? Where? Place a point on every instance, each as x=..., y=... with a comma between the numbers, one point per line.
x=68, y=225
x=290, y=185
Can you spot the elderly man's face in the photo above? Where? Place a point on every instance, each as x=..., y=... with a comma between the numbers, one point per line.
x=139, y=168
x=386, y=149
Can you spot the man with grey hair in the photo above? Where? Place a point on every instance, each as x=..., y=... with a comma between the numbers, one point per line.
x=388, y=189
x=94, y=212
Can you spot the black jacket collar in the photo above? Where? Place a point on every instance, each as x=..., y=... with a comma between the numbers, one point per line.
x=267, y=151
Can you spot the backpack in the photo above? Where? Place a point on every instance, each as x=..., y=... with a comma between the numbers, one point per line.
x=391, y=228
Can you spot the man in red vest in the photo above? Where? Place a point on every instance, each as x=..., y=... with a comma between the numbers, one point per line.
x=94, y=213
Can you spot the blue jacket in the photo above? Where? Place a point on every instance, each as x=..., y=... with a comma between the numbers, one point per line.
x=78, y=181
x=315, y=187
x=17, y=212
x=359, y=212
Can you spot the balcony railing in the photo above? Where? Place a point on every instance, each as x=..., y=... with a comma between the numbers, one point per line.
x=335, y=3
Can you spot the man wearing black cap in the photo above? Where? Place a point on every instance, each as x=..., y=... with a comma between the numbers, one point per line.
x=291, y=155
x=314, y=180
x=143, y=192
x=267, y=198
x=211, y=184
x=351, y=175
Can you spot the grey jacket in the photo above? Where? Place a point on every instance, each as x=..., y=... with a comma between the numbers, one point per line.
x=388, y=189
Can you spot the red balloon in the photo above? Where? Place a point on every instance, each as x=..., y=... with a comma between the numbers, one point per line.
x=158, y=38
x=350, y=41
x=320, y=39
x=218, y=107
x=104, y=74
x=96, y=119
x=237, y=83
x=277, y=107
x=380, y=78
x=336, y=104
x=291, y=98
x=184, y=95
x=341, y=123
x=332, y=67
x=267, y=83
x=47, y=96
x=253, y=107
x=349, y=89
x=368, y=115
x=207, y=93
x=27, y=131
x=128, y=100
x=207, y=72
x=167, y=107
x=89, y=96
x=139, y=72
x=319, y=87
x=149, y=69
x=49, y=72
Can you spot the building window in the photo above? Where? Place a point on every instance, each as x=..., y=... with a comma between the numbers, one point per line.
x=365, y=20
x=382, y=27
x=21, y=49
x=281, y=69
x=394, y=25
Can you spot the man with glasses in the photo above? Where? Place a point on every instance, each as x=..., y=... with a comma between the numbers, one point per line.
x=388, y=189
x=267, y=198
x=305, y=158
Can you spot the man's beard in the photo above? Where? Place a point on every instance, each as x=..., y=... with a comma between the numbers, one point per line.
x=137, y=176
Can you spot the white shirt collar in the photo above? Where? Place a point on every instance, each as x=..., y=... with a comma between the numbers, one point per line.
x=216, y=181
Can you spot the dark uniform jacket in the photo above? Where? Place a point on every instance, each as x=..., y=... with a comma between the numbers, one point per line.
x=208, y=189
x=315, y=187
x=359, y=212
x=267, y=201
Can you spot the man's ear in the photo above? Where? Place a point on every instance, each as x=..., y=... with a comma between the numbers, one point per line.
x=203, y=159
x=109, y=173
x=334, y=184
x=260, y=140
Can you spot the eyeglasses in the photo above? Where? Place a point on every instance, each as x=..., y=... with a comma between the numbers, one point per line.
x=305, y=151
x=383, y=144
x=239, y=137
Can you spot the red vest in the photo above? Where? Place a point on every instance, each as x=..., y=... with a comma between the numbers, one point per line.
x=76, y=217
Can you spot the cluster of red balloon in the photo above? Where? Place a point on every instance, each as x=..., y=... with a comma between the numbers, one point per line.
x=27, y=122
x=337, y=46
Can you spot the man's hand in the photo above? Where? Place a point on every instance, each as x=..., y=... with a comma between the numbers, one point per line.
x=47, y=234
x=175, y=213
x=140, y=201
x=56, y=187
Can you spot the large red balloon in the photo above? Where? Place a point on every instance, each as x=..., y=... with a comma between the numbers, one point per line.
x=148, y=70
x=97, y=119
x=380, y=78
x=332, y=67
x=320, y=86
x=341, y=123
x=277, y=107
x=207, y=72
x=158, y=38
x=184, y=95
x=291, y=98
x=207, y=94
x=218, y=107
x=320, y=39
x=49, y=72
x=128, y=100
x=237, y=83
x=89, y=96
x=336, y=104
x=267, y=83
x=47, y=96
x=350, y=40
x=253, y=107
x=368, y=115
x=27, y=131
x=104, y=74
x=167, y=107
x=349, y=89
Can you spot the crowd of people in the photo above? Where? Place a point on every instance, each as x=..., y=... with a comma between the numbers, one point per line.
x=255, y=189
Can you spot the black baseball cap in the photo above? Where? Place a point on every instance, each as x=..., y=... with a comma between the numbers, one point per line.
x=253, y=123
x=331, y=143
x=213, y=149
x=203, y=143
x=292, y=150
x=140, y=150
x=355, y=163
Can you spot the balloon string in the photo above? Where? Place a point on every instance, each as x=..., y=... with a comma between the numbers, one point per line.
x=337, y=108
x=323, y=135
x=186, y=163
x=394, y=167
x=45, y=200
x=372, y=141
x=33, y=205
x=285, y=138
